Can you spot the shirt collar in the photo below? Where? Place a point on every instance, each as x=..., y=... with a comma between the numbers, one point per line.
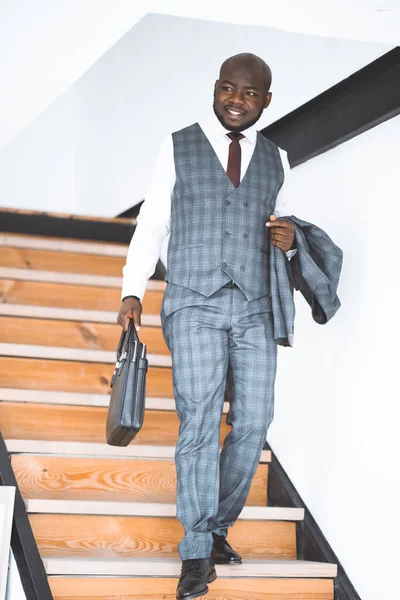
x=213, y=128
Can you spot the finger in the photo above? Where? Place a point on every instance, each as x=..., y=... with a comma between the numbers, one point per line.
x=280, y=245
x=121, y=319
x=136, y=319
x=278, y=235
x=279, y=224
x=126, y=319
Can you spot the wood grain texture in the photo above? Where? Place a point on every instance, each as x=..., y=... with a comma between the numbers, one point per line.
x=66, y=262
x=82, y=424
x=74, y=334
x=69, y=376
x=106, y=536
x=127, y=588
x=78, y=478
x=61, y=295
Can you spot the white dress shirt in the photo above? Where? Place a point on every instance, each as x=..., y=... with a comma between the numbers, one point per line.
x=153, y=222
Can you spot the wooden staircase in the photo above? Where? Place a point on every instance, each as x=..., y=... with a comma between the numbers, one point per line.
x=104, y=517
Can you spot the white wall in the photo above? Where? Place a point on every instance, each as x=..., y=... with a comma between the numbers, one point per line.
x=91, y=152
x=337, y=402
x=48, y=46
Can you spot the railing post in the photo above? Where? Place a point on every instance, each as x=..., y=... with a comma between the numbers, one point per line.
x=30, y=566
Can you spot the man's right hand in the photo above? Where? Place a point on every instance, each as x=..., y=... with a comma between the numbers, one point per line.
x=131, y=308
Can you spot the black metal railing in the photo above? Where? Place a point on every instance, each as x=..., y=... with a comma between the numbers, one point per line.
x=311, y=542
x=30, y=566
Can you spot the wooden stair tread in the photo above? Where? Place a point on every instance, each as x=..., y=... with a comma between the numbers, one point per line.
x=83, y=279
x=74, y=354
x=25, y=446
x=150, y=509
x=104, y=536
x=169, y=567
x=70, y=376
x=71, y=314
x=139, y=588
x=39, y=242
x=74, y=334
x=104, y=479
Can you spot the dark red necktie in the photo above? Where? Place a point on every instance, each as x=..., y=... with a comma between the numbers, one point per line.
x=234, y=157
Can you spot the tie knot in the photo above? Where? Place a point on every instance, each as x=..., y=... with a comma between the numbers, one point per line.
x=235, y=135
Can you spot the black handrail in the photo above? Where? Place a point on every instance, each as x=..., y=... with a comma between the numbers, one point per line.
x=30, y=566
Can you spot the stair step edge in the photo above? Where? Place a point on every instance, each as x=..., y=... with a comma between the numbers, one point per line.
x=171, y=568
x=84, y=279
x=90, y=449
x=74, y=354
x=70, y=314
x=79, y=399
x=63, y=245
x=150, y=509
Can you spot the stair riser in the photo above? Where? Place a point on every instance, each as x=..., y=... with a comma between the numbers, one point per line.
x=67, y=262
x=70, y=478
x=71, y=296
x=109, y=536
x=75, y=588
x=83, y=424
x=72, y=334
x=70, y=376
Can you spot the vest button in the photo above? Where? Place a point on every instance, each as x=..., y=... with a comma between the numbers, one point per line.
x=224, y=265
x=245, y=235
x=246, y=204
x=242, y=267
x=226, y=202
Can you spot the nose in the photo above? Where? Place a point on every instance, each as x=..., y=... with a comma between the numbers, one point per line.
x=237, y=98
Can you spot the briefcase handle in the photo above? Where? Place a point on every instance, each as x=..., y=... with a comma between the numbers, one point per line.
x=128, y=335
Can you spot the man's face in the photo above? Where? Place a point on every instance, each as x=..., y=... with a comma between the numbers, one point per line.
x=240, y=97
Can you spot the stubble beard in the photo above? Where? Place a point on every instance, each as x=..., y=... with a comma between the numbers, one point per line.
x=237, y=128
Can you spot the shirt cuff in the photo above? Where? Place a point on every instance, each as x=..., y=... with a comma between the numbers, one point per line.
x=133, y=288
x=291, y=253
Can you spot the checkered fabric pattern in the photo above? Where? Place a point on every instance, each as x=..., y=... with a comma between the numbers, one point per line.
x=218, y=231
x=315, y=272
x=209, y=337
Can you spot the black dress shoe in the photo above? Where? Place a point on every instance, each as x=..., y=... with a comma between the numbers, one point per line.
x=222, y=553
x=195, y=575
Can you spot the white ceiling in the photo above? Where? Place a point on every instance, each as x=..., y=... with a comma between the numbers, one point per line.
x=363, y=20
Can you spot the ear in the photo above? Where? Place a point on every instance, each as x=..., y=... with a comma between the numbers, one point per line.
x=215, y=85
x=268, y=99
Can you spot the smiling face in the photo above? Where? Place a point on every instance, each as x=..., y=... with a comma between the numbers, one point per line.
x=241, y=92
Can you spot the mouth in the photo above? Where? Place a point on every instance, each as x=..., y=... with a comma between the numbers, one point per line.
x=234, y=113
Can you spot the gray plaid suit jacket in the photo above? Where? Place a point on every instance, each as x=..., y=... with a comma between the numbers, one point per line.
x=314, y=271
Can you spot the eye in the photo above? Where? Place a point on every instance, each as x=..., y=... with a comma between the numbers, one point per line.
x=226, y=88
x=251, y=93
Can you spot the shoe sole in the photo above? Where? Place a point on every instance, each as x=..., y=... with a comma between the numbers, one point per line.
x=227, y=562
x=212, y=577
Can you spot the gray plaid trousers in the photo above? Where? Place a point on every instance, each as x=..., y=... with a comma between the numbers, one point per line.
x=207, y=336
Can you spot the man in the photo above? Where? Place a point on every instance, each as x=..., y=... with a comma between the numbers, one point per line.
x=216, y=190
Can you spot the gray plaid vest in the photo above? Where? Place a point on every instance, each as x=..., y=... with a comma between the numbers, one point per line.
x=218, y=232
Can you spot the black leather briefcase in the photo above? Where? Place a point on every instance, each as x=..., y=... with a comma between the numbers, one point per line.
x=126, y=410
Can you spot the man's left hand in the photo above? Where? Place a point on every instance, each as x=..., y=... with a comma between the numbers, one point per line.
x=282, y=233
